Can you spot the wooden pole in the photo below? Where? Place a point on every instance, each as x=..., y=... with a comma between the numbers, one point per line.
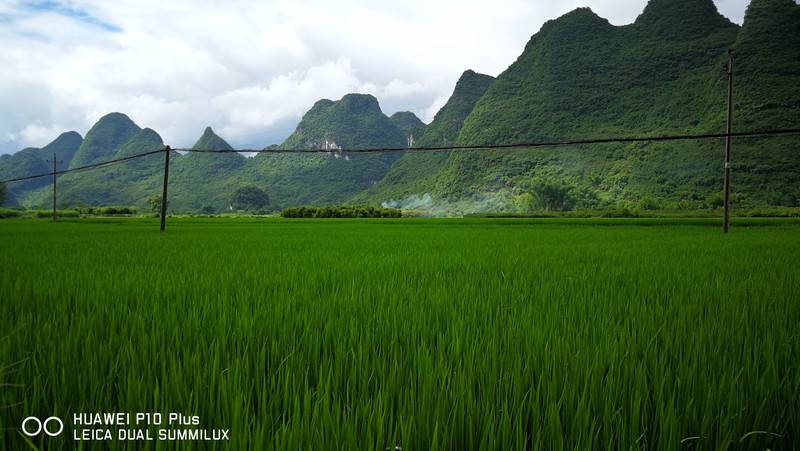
x=726, y=221
x=167, y=151
x=54, y=186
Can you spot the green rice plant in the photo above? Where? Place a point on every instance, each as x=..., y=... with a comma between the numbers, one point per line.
x=460, y=334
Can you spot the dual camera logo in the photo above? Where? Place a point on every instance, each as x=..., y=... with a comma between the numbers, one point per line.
x=52, y=426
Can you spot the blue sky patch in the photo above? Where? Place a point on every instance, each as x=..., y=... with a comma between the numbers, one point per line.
x=77, y=14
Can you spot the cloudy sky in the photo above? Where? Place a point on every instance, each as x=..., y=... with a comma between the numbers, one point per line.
x=250, y=69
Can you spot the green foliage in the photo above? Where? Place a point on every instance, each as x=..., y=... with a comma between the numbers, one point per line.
x=465, y=334
x=582, y=77
x=103, y=139
x=341, y=211
x=130, y=183
x=8, y=213
x=2, y=193
x=208, y=165
x=59, y=213
x=106, y=211
x=715, y=200
x=649, y=203
x=355, y=121
x=250, y=198
x=33, y=161
x=416, y=173
x=448, y=121
x=154, y=202
x=26, y=162
x=64, y=147
x=578, y=77
x=553, y=196
x=407, y=122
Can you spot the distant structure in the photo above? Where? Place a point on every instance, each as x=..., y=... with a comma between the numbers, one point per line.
x=331, y=145
x=410, y=141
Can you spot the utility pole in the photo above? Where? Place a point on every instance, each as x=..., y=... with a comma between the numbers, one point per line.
x=55, y=171
x=167, y=151
x=726, y=221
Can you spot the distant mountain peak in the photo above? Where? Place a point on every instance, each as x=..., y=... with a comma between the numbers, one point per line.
x=104, y=138
x=356, y=120
x=115, y=119
x=70, y=135
x=470, y=78
x=407, y=121
x=681, y=19
x=405, y=115
x=64, y=147
x=210, y=140
x=449, y=119
x=359, y=103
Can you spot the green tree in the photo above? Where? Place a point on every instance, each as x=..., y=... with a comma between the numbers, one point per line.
x=715, y=201
x=2, y=193
x=554, y=196
x=649, y=203
x=525, y=203
x=250, y=198
x=154, y=202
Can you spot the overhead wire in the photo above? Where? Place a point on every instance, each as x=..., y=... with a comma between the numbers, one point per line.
x=524, y=145
x=609, y=140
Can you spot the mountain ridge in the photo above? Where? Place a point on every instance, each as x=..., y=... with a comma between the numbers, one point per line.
x=577, y=77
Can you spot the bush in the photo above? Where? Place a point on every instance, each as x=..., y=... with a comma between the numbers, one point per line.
x=715, y=200
x=619, y=212
x=59, y=213
x=116, y=211
x=8, y=213
x=106, y=211
x=649, y=203
x=250, y=198
x=341, y=211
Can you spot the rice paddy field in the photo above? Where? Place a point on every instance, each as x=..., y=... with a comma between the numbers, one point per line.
x=408, y=334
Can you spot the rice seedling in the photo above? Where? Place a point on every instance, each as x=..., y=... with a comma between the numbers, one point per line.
x=407, y=334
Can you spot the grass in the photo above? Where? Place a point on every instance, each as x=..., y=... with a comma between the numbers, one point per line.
x=423, y=334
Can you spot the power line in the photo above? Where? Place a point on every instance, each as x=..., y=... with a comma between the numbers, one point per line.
x=81, y=168
x=528, y=145
x=611, y=140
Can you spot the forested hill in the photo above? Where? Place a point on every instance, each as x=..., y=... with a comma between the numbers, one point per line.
x=581, y=77
x=577, y=77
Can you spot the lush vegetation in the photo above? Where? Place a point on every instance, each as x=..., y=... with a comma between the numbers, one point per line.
x=341, y=211
x=408, y=123
x=250, y=198
x=582, y=77
x=578, y=77
x=102, y=140
x=420, y=334
x=416, y=173
x=355, y=121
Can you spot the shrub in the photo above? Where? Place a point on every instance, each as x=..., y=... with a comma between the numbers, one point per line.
x=8, y=213
x=715, y=200
x=649, y=203
x=250, y=198
x=59, y=213
x=341, y=211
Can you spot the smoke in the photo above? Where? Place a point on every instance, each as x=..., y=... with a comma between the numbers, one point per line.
x=428, y=205
x=413, y=202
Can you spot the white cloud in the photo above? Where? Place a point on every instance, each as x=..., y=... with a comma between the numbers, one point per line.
x=251, y=69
